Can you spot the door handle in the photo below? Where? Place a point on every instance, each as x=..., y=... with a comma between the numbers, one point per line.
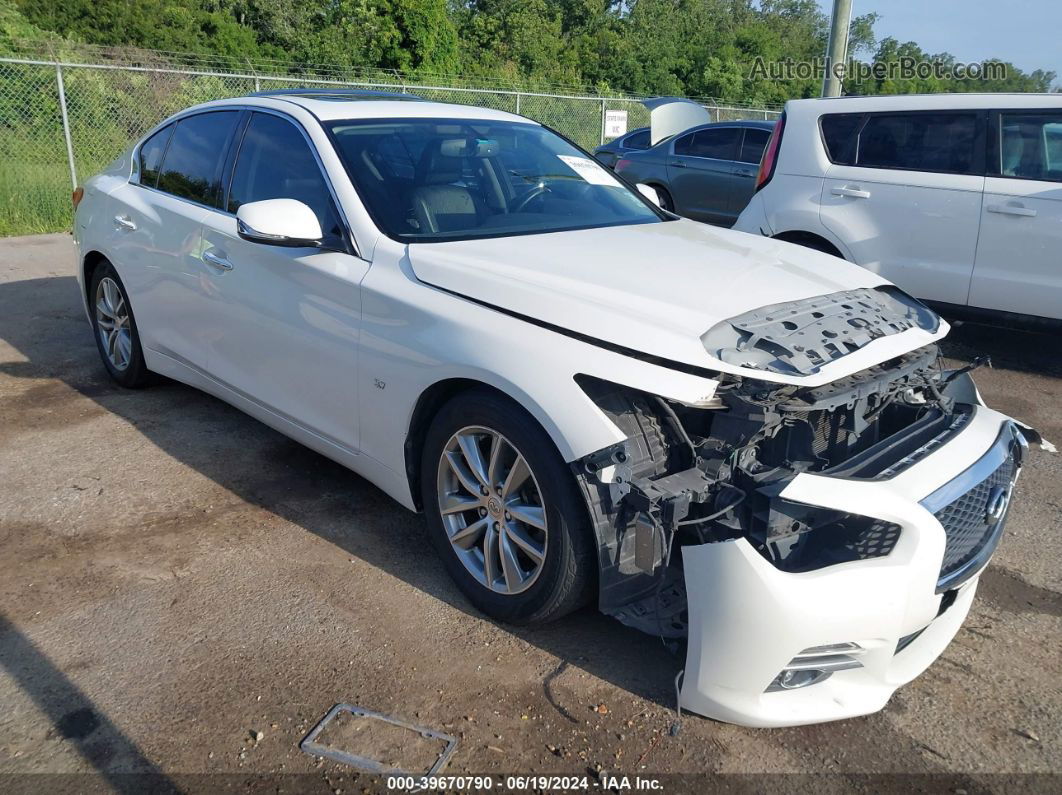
x=124, y=222
x=744, y=172
x=678, y=164
x=1011, y=209
x=851, y=192
x=216, y=260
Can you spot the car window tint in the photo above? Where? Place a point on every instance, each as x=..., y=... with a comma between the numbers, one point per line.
x=718, y=143
x=151, y=152
x=942, y=142
x=684, y=145
x=1031, y=145
x=840, y=132
x=276, y=162
x=191, y=167
x=637, y=140
x=752, y=145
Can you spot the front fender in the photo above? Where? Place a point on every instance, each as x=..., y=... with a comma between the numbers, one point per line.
x=415, y=336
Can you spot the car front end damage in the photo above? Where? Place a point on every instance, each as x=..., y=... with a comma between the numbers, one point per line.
x=816, y=547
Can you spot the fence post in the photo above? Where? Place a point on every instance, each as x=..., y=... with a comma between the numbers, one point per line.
x=602, y=121
x=517, y=103
x=66, y=124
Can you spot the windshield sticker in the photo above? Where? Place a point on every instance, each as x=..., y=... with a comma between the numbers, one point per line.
x=590, y=171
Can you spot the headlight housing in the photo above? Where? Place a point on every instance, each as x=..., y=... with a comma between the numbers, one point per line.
x=803, y=537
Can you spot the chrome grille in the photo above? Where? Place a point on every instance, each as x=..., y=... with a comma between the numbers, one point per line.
x=972, y=510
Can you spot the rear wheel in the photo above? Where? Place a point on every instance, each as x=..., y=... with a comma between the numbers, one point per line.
x=114, y=328
x=666, y=202
x=504, y=512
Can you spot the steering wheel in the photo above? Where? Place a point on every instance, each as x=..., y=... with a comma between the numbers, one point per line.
x=539, y=190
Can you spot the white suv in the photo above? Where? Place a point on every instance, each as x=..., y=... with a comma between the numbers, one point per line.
x=719, y=437
x=957, y=198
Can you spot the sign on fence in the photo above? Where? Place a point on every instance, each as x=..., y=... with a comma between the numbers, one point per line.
x=615, y=124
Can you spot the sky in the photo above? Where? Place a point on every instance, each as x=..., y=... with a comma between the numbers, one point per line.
x=1028, y=33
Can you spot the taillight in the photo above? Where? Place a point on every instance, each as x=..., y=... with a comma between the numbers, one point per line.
x=77, y=196
x=770, y=154
x=621, y=164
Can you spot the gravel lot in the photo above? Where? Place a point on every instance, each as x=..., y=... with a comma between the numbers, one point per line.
x=176, y=576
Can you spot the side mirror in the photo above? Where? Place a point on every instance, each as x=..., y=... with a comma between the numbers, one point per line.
x=278, y=222
x=649, y=192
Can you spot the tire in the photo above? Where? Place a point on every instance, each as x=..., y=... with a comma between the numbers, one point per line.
x=120, y=350
x=562, y=579
x=814, y=243
x=666, y=202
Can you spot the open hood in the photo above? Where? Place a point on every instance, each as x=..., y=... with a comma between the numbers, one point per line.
x=659, y=288
x=671, y=115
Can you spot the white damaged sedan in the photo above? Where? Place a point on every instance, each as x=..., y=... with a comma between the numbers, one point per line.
x=719, y=438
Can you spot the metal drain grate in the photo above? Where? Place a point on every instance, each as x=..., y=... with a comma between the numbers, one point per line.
x=310, y=743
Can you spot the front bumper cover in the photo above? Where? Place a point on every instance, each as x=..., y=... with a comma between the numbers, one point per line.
x=748, y=619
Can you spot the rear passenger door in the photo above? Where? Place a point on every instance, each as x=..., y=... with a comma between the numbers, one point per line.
x=1019, y=250
x=753, y=142
x=157, y=241
x=701, y=176
x=283, y=322
x=904, y=192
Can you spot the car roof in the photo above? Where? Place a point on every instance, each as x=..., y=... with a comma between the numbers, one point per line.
x=755, y=124
x=901, y=102
x=332, y=105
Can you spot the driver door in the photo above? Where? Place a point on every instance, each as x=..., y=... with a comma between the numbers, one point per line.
x=285, y=322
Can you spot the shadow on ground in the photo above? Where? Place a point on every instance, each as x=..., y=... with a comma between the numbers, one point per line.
x=43, y=321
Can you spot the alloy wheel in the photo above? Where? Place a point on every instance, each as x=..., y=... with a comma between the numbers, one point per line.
x=492, y=510
x=113, y=323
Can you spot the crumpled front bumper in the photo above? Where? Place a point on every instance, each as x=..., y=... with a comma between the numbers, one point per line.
x=748, y=619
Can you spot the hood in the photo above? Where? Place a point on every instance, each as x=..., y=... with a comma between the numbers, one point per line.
x=657, y=288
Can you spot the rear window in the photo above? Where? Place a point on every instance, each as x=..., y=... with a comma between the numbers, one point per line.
x=637, y=140
x=840, y=133
x=191, y=168
x=939, y=142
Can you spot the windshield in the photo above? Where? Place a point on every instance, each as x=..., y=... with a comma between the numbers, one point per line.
x=427, y=180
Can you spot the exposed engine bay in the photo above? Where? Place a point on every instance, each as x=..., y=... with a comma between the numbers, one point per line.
x=701, y=475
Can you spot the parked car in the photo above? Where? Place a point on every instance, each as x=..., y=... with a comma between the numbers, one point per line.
x=634, y=141
x=707, y=173
x=712, y=435
x=955, y=197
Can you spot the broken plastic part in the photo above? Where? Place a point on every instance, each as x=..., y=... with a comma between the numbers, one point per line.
x=800, y=337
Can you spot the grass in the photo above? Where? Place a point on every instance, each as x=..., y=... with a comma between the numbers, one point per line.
x=34, y=198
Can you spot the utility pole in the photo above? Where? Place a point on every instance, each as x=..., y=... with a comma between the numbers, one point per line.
x=837, y=49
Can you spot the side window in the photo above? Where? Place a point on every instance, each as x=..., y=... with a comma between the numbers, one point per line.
x=720, y=143
x=191, y=168
x=1031, y=145
x=637, y=140
x=941, y=142
x=684, y=145
x=840, y=133
x=275, y=162
x=753, y=144
x=151, y=152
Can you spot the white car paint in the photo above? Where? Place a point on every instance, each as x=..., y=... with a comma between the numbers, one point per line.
x=981, y=240
x=335, y=350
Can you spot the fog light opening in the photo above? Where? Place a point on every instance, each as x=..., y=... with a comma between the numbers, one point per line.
x=792, y=679
x=816, y=665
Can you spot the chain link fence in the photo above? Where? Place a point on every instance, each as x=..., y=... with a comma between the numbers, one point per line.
x=62, y=122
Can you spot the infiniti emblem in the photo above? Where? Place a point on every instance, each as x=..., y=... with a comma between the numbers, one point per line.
x=996, y=505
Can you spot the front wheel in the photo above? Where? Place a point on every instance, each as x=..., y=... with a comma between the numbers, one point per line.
x=504, y=512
